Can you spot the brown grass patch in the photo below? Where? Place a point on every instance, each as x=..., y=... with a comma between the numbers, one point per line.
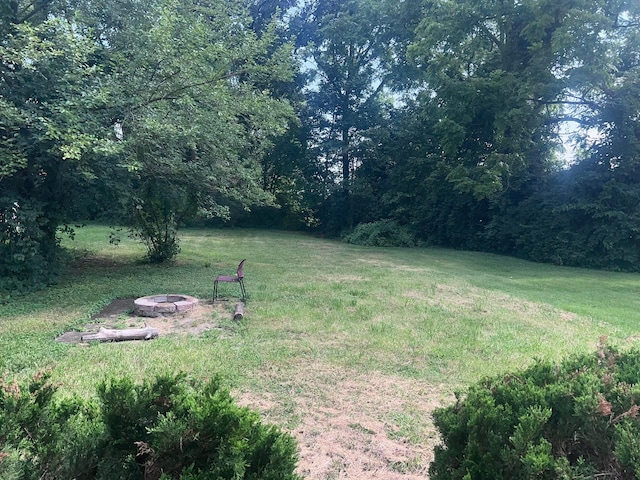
x=353, y=425
x=460, y=298
x=341, y=278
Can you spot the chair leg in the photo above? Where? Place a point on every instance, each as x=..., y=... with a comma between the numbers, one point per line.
x=242, y=289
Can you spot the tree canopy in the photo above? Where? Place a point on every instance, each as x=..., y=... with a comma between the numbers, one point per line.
x=148, y=112
x=446, y=118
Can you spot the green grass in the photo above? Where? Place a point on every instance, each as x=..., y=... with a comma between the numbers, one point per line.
x=438, y=316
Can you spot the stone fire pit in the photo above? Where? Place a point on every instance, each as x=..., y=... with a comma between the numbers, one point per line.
x=156, y=305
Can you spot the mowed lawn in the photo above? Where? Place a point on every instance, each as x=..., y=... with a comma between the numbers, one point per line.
x=348, y=348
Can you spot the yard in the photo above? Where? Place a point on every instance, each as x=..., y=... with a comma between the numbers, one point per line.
x=348, y=348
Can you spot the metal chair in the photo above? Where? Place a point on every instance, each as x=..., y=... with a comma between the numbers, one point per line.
x=238, y=278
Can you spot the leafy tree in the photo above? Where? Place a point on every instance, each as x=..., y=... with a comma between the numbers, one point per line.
x=264, y=12
x=294, y=178
x=353, y=51
x=500, y=79
x=489, y=71
x=415, y=190
x=585, y=216
x=194, y=121
x=48, y=135
x=150, y=112
x=590, y=215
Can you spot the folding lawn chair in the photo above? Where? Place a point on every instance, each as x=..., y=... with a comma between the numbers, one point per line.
x=238, y=278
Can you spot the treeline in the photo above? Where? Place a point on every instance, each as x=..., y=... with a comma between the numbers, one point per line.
x=451, y=119
x=424, y=121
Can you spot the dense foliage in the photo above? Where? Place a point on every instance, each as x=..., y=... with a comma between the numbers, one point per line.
x=46, y=124
x=166, y=428
x=477, y=162
x=576, y=419
x=446, y=117
x=383, y=233
x=146, y=113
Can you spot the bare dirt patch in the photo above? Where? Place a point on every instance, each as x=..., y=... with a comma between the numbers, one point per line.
x=119, y=314
x=356, y=426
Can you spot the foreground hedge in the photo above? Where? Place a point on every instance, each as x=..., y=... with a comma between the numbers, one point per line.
x=576, y=420
x=166, y=428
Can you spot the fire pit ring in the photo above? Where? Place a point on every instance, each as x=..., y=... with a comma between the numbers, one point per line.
x=156, y=305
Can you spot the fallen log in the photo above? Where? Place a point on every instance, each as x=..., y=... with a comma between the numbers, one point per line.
x=239, y=313
x=113, y=335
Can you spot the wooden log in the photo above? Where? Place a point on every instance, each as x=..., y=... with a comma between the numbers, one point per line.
x=113, y=335
x=239, y=313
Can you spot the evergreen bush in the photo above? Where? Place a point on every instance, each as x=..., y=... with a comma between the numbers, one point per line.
x=575, y=420
x=166, y=428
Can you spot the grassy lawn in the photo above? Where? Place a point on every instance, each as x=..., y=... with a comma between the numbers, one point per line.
x=347, y=347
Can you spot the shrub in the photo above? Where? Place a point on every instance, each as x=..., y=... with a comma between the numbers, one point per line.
x=166, y=428
x=154, y=224
x=383, y=233
x=578, y=419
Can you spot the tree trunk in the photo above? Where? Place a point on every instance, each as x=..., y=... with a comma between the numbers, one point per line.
x=346, y=177
x=111, y=335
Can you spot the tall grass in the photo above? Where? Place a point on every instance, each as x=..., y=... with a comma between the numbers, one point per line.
x=438, y=316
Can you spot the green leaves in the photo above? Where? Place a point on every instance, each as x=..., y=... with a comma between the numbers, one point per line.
x=564, y=421
x=100, y=101
x=196, y=113
x=167, y=427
